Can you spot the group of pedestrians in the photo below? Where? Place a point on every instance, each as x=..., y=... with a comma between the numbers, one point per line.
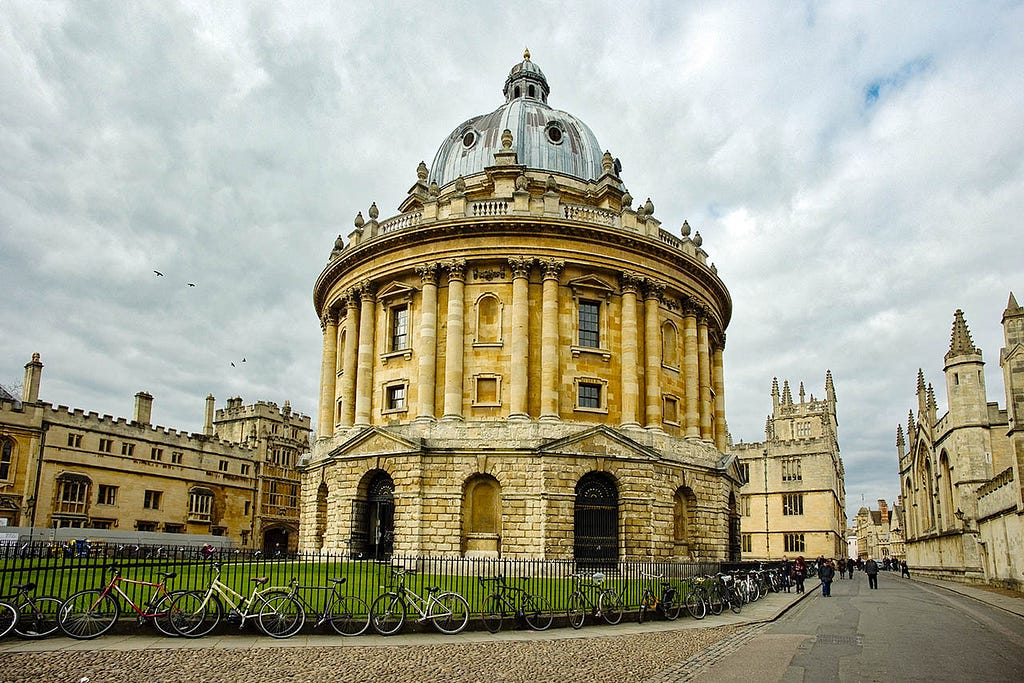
x=829, y=569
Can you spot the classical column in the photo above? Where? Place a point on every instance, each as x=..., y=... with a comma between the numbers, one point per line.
x=549, y=375
x=652, y=346
x=704, y=359
x=630, y=283
x=454, y=340
x=718, y=380
x=520, y=360
x=364, y=372
x=426, y=351
x=328, y=359
x=349, y=359
x=691, y=369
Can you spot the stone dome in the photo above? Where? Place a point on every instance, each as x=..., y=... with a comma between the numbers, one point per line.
x=543, y=138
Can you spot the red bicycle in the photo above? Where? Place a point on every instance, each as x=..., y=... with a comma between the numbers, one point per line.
x=91, y=613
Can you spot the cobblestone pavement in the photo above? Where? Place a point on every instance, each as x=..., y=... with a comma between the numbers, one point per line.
x=656, y=656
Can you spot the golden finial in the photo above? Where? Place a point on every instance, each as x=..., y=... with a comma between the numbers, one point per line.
x=526, y=54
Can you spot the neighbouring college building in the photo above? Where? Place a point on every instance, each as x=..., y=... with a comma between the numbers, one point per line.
x=521, y=362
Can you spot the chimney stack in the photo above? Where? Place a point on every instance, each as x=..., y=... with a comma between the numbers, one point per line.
x=143, y=408
x=208, y=422
x=884, y=510
x=33, y=377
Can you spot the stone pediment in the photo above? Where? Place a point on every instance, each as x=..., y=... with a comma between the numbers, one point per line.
x=376, y=441
x=591, y=283
x=395, y=290
x=601, y=441
x=730, y=465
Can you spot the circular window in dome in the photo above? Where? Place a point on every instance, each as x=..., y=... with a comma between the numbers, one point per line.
x=469, y=138
x=554, y=133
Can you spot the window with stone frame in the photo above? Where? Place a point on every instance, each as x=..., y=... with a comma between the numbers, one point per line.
x=792, y=504
x=793, y=543
x=744, y=468
x=398, y=324
x=396, y=399
x=745, y=506
x=74, y=440
x=791, y=469
x=670, y=410
x=73, y=494
x=106, y=494
x=746, y=543
x=127, y=449
x=803, y=429
x=489, y=316
x=590, y=324
x=6, y=457
x=670, y=345
x=591, y=395
x=106, y=445
x=200, y=504
x=151, y=499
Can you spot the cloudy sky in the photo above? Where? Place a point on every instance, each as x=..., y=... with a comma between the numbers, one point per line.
x=856, y=171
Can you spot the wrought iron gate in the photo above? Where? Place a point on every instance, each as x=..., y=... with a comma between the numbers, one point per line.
x=596, y=521
x=372, y=522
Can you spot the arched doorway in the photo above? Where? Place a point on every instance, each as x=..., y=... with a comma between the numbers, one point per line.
x=275, y=542
x=373, y=517
x=596, y=521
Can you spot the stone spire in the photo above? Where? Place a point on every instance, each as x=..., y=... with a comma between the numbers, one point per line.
x=775, y=394
x=787, y=396
x=960, y=343
x=922, y=395
x=911, y=425
x=830, y=387
x=803, y=394
x=901, y=444
x=932, y=407
x=1013, y=334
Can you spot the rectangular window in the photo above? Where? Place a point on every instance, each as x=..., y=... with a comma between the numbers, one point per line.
x=73, y=495
x=174, y=528
x=793, y=504
x=803, y=428
x=176, y=457
x=106, y=445
x=200, y=504
x=245, y=469
x=127, y=449
x=745, y=506
x=248, y=507
x=590, y=395
x=146, y=526
x=590, y=324
x=746, y=543
x=274, y=499
x=793, y=543
x=101, y=524
x=151, y=500
x=791, y=469
x=106, y=495
x=744, y=472
x=396, y=397
x=399, y=328
x=6, y=454
x=222, y=466
x=671, y=410
x=156, y=453
x=74, y=440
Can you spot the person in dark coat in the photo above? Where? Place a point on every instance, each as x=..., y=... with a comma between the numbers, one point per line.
x=799, y=573
x=871, y=569
x=904, y=569
x=827, y=572
x=850, y=566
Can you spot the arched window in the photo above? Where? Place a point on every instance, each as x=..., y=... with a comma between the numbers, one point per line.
x=488, y=319
x=596, y=521
x=72, y=505
x=481, y=516
x=669, y=345
x=372, y=529
x=200, y=505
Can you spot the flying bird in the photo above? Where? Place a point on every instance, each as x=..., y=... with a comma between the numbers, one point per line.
x=191, y=284
x=158, y=273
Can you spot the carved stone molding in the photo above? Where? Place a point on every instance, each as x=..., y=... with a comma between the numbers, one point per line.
x=551, y=268
x=520, y=266
x=427, y=273
x=456, y=269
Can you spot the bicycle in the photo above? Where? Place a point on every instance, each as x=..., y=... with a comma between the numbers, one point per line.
x=448, y=611
x=90, y=613
x=667, y=603
x=8, y=618
x=197, y=613
x=605, y=603
x=533, y=609
x=347, y=614
x=730, y=594
x=37, y=615
x=694, y=598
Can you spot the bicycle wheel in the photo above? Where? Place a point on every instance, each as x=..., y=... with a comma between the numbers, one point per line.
x=610, y=605
x=38, y=618
x=280, y=615
x=715, y=601
x=450, y=613
x=88, y=614
x=161, y=611
x=537, y=612
x=670, y=605
x=349, y=616
x=194, y=614
x=8, y=618
x=735, y=601
x=575, y=611
x=492, y=613
x=387, y=613
x=695, y=604
x=645, y=604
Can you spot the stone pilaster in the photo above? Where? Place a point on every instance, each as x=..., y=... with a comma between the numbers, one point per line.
x=364, y=372
x=426, y=351
x=704, y=360
x=691, y=370
x=520, y=361
x=652, y=346
x=549, y=340
x=328, y=376
x=350, y=359
x=454, y=340
x=630, y=283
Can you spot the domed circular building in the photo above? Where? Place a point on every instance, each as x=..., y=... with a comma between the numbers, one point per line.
x=520, y=363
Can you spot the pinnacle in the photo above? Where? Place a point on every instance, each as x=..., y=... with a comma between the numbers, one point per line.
x=960, y=343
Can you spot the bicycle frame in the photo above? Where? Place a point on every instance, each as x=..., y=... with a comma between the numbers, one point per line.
x=114, y=586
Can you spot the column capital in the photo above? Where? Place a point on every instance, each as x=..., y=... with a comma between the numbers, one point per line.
x=328, y=318
x=427, y=273
x=653, y=289
x=520, y=266
x=692, y=307
x=366, y=291
x=456, y=269
x=551, y=268
x=631, y=282
x=351, y=298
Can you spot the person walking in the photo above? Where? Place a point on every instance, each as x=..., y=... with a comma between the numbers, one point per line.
x=841, y=568
x=904, y=569
x=827, y=572
x=799, y=573
x=871, y=569
x=850, y=566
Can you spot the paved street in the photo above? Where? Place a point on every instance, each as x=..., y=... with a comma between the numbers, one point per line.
x=905, y=631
